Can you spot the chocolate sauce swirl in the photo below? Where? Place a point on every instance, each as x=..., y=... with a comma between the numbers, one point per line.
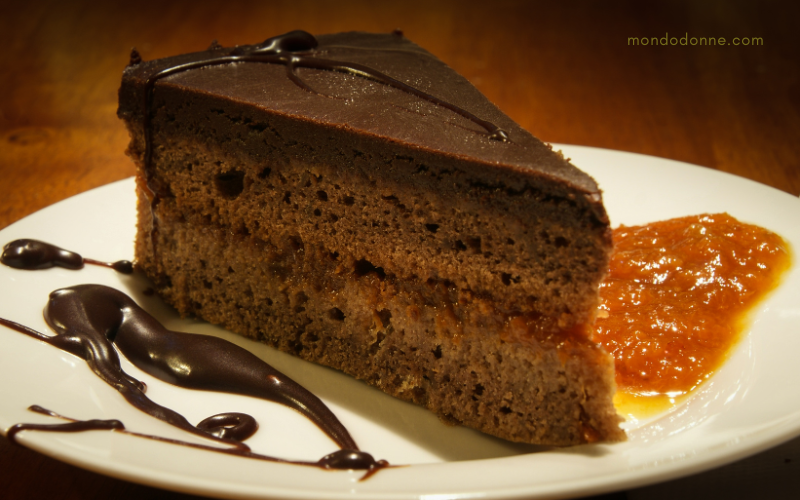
x=183, y=359
x=91, y=320
x=31, y=255
x=236, y=426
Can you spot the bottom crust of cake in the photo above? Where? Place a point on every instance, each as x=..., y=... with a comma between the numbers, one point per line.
x=425, y=342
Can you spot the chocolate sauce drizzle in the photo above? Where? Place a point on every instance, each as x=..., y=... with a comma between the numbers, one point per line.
x=31, y=255
x=338, y=460
x=94, y=321
x=72, y=426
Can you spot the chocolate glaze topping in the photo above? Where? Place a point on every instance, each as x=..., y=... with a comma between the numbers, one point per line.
x=230, y=81
x=296, y=49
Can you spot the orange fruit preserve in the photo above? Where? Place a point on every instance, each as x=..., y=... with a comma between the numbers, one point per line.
x=676, y=295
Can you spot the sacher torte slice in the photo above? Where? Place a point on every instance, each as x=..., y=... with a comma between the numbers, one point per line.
x=352, y=200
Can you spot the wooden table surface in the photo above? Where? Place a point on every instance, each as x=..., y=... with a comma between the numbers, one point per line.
x=566, y=72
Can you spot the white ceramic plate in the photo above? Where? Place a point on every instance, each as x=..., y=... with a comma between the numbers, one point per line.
x=752, y=403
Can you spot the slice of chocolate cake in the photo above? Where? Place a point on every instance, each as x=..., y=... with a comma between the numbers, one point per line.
x=352, y=200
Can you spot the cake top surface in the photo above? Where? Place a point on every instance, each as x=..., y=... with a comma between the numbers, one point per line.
x=377, y=84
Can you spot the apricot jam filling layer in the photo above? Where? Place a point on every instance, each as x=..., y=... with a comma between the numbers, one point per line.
x=676, y=298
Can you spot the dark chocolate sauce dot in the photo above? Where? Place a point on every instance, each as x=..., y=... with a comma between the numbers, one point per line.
x=234, y=426
x=122, y=266
x=348, y=460
x=294, y=41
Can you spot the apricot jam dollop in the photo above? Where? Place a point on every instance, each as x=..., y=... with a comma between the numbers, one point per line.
x=676, y=296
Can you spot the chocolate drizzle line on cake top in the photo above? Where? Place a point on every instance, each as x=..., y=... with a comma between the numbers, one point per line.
x=94, y=321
